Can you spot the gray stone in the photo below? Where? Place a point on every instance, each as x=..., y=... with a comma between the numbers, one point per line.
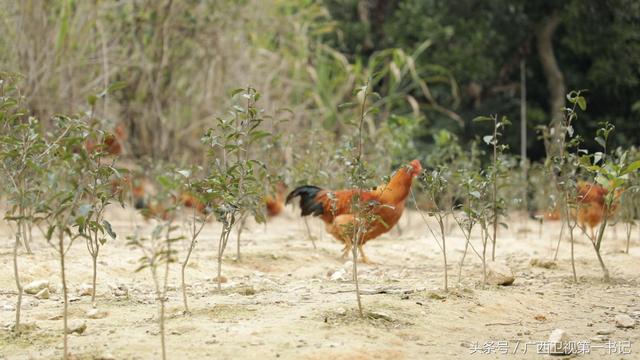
x=339, y=275
x=85, y=290
x=119, y=290
x=379, y=315
x=625, y=321
x=77, y=327
x=558, y=341
x=43, y=294
x=96, y=314
x=605, y=331
x=35, y=287
x=499, y=274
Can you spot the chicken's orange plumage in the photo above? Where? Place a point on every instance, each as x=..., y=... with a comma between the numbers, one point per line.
x=592, y=207
x=111, y=144
x=189, y=200
x=275, y=203
x=335, y=207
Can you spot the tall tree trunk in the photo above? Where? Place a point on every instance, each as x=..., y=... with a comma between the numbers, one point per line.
x=555, y=80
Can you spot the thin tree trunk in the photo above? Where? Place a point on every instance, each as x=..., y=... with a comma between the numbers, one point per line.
x=18, y=284
x=162, y=331
x=605, y=271
x=182, y=274
x=160, y=296
x=220, y=250
x=65, y=296
x=573, y=262
x=444, y=254
x=464, y=255
x=240, y=227
x=22, y=227
x=354, y=252
x=222, y=243
x=567, y=216
x=95, y=276
x=484, y=255
x=628, y=228
x=596, y=246
x=564, y=223
x=184, y=289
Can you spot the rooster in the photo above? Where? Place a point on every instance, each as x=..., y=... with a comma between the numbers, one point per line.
x=592, y=207
x=386, y=204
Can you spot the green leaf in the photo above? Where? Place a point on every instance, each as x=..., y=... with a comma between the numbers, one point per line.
x=602, y=180
x=256, y=135
x=346, y=105
x=107, y=227
x=482, y=118
x=235, y=92
x=118, y=85
x=631, y=167
x=582, y=103
x=49, y=233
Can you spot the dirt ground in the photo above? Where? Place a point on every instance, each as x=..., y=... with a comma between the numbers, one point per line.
x=281, y=300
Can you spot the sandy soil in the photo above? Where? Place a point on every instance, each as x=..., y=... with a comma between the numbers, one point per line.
x=280, y=300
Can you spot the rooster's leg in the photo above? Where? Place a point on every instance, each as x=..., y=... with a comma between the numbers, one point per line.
x=346, y=250
x=365, y=259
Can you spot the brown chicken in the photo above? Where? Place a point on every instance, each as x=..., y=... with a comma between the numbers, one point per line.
x=592, y=208
x=112, y=143
x=385, y=202
x=275, y=203
x=189, y=200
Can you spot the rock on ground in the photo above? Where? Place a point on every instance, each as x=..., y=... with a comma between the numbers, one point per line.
x=605, y=331
x=558, y=341
x=499, y=274
x=625, y=321
x=77, y=327
x=119, y=290
x=43, y=294
x=85, y=290
x=35, y=287
x=96, y=314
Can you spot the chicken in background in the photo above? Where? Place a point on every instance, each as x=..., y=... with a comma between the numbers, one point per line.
x=592, y=207
x=275, y=203
x=335, y=207
x=191, y=201
x=112, y=143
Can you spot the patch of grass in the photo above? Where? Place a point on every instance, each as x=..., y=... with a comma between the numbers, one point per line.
x=385, y=316
x=545, y=264
x=453, y=293
x=30, y=336
x=225, y=312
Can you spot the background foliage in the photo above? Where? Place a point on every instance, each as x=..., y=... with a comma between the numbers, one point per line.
x=437, y=64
